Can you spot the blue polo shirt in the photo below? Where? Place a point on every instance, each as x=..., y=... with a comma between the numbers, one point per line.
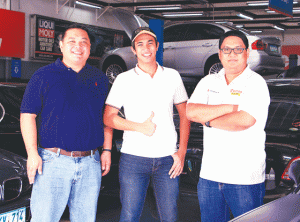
x=69, y=106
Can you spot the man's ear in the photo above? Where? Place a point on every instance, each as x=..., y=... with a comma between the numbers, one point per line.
x=132, y=49
x=60, y=44
x=157, y=45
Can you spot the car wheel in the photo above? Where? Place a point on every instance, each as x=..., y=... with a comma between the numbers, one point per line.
x=113, y=69
x=215, y=68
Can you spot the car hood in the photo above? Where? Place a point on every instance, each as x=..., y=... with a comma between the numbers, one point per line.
x=284, y=209
x=128, y=20
x=11, y=165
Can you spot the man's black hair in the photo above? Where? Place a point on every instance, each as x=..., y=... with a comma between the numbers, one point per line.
x=75, y=26
x=236, y=33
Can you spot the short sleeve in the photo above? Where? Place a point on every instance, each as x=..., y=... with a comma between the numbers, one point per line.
x=32, y=100
x=201, y=92
x=180, y=95
x=116, y=94
x=256, y=98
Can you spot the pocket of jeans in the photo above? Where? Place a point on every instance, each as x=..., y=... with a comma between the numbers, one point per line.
x=96, y=157
x=47, y=156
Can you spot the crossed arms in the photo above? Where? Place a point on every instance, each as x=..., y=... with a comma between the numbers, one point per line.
x=224, y=116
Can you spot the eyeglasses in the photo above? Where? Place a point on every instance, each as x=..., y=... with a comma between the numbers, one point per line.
x=235, y=50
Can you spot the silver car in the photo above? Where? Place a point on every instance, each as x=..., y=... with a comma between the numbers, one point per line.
x=192, y=49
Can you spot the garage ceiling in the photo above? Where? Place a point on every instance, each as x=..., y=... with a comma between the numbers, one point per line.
x=211, y=10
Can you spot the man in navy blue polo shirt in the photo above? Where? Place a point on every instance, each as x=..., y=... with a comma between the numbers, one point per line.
x=62, y=127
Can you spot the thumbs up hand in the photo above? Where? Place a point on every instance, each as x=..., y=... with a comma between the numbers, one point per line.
x=148, y=127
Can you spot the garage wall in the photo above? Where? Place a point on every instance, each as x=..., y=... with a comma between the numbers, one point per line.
x=78, y=14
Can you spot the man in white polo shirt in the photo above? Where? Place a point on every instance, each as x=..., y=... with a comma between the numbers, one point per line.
x=149, y=151
x=233, y=108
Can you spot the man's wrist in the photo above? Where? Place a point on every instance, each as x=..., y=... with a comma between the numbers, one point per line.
x=108, y=150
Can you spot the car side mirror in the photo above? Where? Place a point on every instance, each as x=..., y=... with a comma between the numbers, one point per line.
x=294, y=172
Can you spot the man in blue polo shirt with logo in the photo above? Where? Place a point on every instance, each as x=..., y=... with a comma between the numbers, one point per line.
x=62, y=127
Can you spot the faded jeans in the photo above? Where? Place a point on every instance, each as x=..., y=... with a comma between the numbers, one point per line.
x=134, y=174
x=66, y=181
x=216, y=199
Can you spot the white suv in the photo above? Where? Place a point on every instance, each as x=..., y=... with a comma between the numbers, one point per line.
x=192, y=49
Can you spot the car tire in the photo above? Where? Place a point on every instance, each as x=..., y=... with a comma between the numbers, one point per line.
x=215, y=68
x=113, y=68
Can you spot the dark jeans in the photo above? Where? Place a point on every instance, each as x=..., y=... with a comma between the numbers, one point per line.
x=135, y=174
x=216, y=199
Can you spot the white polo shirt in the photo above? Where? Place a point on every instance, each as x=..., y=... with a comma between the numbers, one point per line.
x=235, y=157
x=140, y=95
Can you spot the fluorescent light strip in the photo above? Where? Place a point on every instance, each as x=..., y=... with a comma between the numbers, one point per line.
x=257, y=4
x=244, y=16
x=276, y=27
x=158, y=8
x=182, y=15
x=239, y=26
x=257, y=31
x=88, y=5
x=263, y=3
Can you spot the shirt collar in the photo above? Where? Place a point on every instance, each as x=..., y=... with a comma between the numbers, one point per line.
x=61, y=65
x=138, y=71
x=244, y=74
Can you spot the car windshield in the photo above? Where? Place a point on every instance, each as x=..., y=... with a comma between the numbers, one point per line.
x=284, y=115
x=10, y=99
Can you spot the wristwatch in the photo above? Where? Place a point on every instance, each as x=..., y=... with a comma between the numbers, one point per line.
x=208, y=124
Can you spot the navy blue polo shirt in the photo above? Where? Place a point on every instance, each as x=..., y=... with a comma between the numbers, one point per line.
x=69, y=106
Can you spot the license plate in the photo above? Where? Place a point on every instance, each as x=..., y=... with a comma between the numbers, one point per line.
x=273, y=48
x=18, y=215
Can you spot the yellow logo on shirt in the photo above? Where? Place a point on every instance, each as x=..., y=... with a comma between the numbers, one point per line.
x=235, y=92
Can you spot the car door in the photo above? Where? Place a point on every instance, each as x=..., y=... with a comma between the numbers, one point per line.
x=172, y=36
x=199, y=43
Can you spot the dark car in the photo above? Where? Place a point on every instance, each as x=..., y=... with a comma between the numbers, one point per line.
x=11, y=95
x=284, y=209
x=293, y=73
x=15, y=189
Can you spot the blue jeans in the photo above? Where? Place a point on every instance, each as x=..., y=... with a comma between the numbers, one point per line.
x=216, y=199
x=135, y=174
x=66, y=181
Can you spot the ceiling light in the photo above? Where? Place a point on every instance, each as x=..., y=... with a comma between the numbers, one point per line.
x=221, y=22
x=296, y=9
x=256, y=31
x=269, y=11
x=182, y=14
x=245, y=16
x=258, y=3
x=239, y=26
x=88, y=5
x=158, y=7
x=279, y=28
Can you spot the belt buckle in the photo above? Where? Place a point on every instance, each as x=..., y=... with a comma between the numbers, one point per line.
x=76, y=152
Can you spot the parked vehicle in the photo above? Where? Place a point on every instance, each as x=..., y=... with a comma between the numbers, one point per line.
x=11, y=95
x=293, y=73
x=284, y=209
x=192, y=49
